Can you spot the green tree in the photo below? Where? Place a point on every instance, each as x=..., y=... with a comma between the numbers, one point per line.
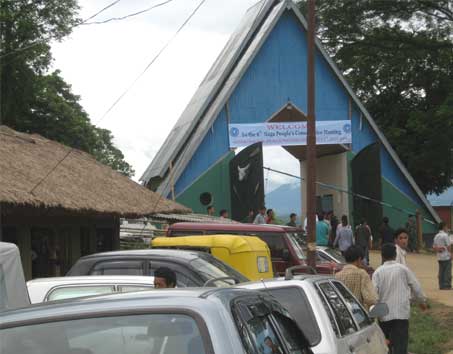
x=33, y=100
x=398, y=57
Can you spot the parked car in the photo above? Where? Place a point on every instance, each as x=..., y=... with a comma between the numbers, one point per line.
x=247, y=254
x=192, y=268
x=283, y=242
x=328, y=255
x=195, y=321
x=13, y=291
x=59, y=288
x=327, y=312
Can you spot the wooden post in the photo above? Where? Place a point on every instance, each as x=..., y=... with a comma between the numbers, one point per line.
x=311, y=138
x=419, y=224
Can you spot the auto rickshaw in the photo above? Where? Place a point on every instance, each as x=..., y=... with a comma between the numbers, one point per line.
x=247, y=254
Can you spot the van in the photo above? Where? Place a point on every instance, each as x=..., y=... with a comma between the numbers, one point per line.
x=13, y=291
x=248, y=255
x=283, y=242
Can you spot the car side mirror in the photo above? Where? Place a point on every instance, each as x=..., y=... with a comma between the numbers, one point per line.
x=285, y=255
x=379, y=310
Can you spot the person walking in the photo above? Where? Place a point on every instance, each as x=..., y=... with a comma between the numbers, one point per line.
x=363, y=239
x=333, y=228
x=385, y=231
x=292, y=220
x=411, y=228
x=357, y=279
x=442, y=246
x=344, y=238
x=395, y=283
x=322, y=232
x=260, y=218
x=401, y=240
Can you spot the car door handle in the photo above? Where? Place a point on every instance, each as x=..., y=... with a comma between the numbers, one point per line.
x=351, y=349
x=368, y=340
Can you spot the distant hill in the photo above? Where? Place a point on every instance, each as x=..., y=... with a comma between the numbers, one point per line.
x=285, y=200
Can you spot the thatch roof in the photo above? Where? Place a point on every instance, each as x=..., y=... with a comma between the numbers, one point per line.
x=78, y=184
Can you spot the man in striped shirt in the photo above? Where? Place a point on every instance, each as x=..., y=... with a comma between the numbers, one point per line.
x=394, y=283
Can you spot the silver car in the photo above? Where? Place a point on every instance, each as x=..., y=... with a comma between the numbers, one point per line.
x=177, y=321
x=330, y=316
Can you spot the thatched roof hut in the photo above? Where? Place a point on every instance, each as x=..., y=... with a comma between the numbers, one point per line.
x=79, y=184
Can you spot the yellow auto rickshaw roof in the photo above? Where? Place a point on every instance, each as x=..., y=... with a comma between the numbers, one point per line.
x=235, y=243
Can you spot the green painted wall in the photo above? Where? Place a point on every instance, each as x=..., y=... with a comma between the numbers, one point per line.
x=216, y=181
x=398, y=218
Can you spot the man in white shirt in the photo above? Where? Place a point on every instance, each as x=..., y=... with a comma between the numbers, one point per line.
x=442, y=246
x=395, y=283
x=401, y=238
x=260, y=218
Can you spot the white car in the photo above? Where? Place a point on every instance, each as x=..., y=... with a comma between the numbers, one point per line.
x=332, y=319
x=49, y=289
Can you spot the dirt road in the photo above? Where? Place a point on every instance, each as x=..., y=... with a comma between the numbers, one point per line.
x=425, y=267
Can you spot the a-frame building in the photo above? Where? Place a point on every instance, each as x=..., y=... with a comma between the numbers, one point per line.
x=261, y=76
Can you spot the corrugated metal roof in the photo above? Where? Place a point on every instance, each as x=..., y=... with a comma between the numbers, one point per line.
x=258, y=22
x=207, y=91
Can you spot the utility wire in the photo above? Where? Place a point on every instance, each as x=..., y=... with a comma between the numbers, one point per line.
x=127, y=16
x=344, y=190
x=126, y=91
x=42, y=41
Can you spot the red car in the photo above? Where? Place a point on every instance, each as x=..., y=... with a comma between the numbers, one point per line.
x=282, y=241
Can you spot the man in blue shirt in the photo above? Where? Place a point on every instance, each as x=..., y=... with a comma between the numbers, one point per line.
x=322, y=232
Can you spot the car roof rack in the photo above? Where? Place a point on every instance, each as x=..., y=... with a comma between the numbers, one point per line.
x=306, y=268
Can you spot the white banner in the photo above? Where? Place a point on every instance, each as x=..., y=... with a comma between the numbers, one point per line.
x=289, y=133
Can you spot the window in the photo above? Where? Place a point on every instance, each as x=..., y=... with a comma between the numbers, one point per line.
x=138, y=334
x=336, y=254
x=357, y=311
x=120, y=267
x=294, y=340
x=342, y=315
x=326, y=306
x=182, y=281
x=70, y=292
x=256, y=331
x=296, y=302
x=299, y=252
x=275, y=242
x=132, y=288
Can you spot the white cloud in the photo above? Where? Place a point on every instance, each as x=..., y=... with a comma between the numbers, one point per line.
x=101, y=61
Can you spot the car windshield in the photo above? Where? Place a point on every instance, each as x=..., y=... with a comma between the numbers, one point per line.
x=293, y=240
x=164, y=333
x=336, y=254
x=211, y=268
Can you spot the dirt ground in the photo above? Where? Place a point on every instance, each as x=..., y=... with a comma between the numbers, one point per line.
x=425, y=268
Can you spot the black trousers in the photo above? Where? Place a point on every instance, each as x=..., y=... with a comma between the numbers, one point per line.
x=397, y=332
x=445, y=274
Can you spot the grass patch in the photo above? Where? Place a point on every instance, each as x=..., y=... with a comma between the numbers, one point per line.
x=429, y=331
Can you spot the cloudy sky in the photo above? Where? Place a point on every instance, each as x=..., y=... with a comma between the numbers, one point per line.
x=101, y=61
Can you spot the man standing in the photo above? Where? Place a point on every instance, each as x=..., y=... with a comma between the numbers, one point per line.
x=250, y=217
x=322, y=232
x=260, y=218
x=356, y=278
x=442, y=247
x=363, y=239
x=164, y=278
x=223, y=214
x=395, y=283
x=401, y=239
x=292, y=220
x=385, y=231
